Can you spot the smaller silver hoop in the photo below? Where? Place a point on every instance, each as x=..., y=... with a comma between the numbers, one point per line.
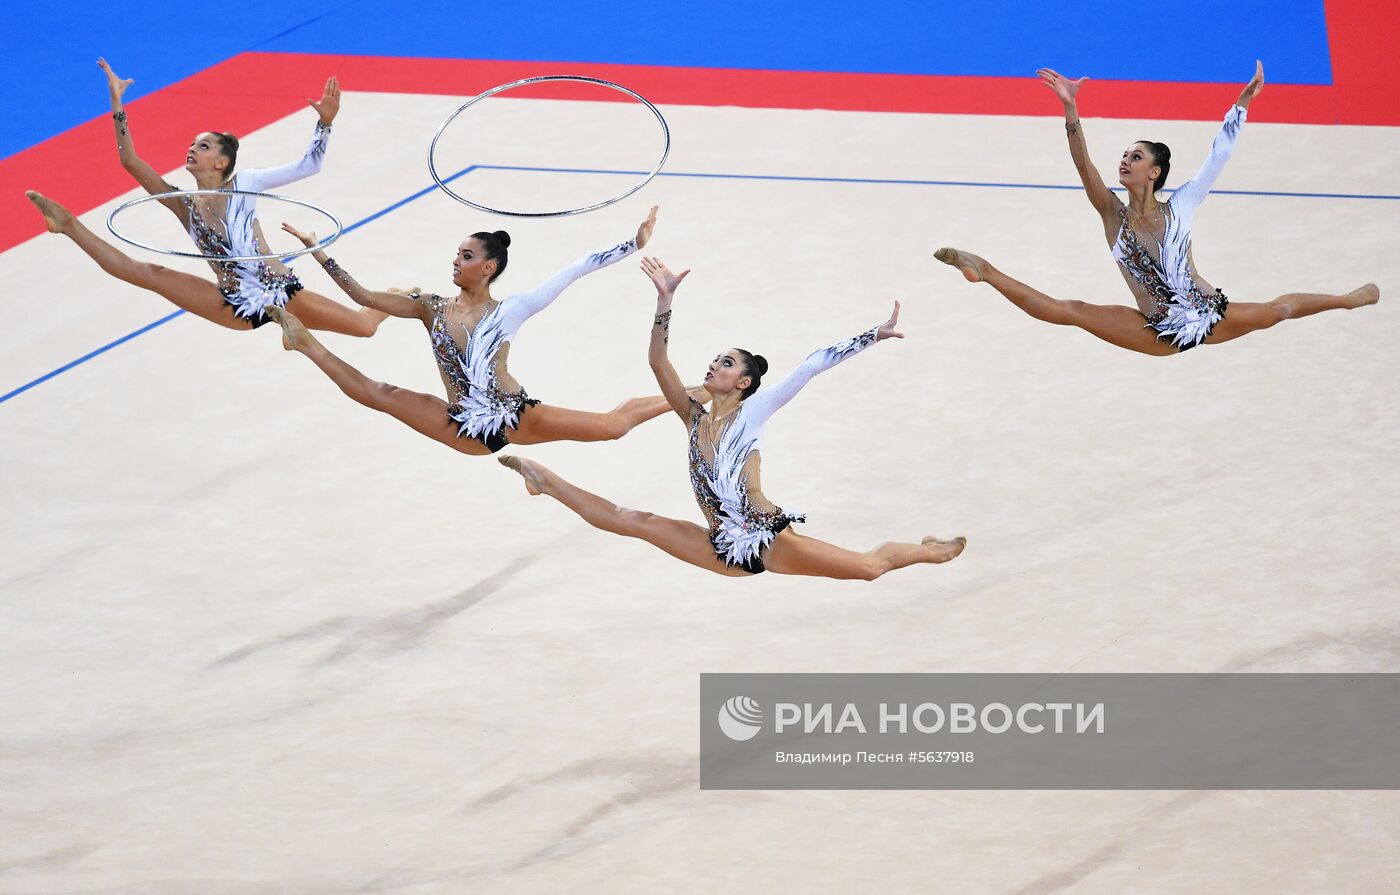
x=276, y=256
x=665, y=152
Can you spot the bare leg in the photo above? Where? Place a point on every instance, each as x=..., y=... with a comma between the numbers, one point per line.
x=426, y=414
x=548, y=423
x=187, y=291
x=1246, y=317
x=795, y=554
x=1116, y=324
x=318, y=312
x=685, y=541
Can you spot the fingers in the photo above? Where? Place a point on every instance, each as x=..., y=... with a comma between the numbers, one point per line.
x=308, y=238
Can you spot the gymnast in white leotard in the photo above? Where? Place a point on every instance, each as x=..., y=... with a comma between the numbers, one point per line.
x=250, y=287
x=746, y=533
x=220, y=225
x=471, y=333
x=1151, y=241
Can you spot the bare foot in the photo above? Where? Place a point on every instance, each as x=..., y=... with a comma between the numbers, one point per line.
x=294, y=334
x=968, y=263
x=944, y=550
x=56, y=217
x=1366, y=295
x=532, y=472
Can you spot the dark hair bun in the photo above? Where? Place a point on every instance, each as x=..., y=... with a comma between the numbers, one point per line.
x=502, y=237
x=232, y=141
x=761, y=363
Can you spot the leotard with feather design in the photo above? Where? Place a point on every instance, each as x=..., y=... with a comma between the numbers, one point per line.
x=1184, y=308
x=252, y=286
x=485, y=399
x=724, y=471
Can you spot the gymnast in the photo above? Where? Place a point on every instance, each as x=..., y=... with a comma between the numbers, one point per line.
x=471, y=335
x=747, y=534
x=1151, y=241
x=220, y=225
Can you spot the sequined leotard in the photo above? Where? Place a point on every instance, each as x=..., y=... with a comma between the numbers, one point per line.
x=483, y=397
x=724, y=472
x=1184, y=308
x=250, y=287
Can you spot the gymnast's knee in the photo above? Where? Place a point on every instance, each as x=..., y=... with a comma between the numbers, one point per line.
x=366, y=323
x=873, y=567
x=1068, y=312
x=376, y=395
x=1276, y=311
x=138, y=273
x=630, y=523
x=614, y=427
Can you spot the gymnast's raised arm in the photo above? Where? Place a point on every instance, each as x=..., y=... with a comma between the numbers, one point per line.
x=396, y=304
x=136, y=166
x=518, y=308
x=260, y=180
x=1100, y=196
x=666, y=375
x=766, y=401
x=1189, y=196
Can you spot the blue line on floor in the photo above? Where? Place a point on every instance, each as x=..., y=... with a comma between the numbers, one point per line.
x=960, y=183
x=169, y=317
x=776, y=177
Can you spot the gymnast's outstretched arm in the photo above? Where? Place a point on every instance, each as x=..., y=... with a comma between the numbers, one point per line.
x=1189, y=196
x=1100, y=196
x=394, y=303
x=136, y=166
x=520, y=307
x=259, y=180
x=666, y=376
x=262, y=179
x=766, y=401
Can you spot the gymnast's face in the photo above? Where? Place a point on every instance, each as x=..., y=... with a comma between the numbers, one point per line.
x=471, y=268
x=205, y=155
x=1137, y=167
x=726, y=373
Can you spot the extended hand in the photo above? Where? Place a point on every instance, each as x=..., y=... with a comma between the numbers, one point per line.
x=115, y=85
x=665, y=281
x=1064, y=88
x=887, y=329
x=644, y=231
x=329, y=104
x=307, y=239
x=1254, y=87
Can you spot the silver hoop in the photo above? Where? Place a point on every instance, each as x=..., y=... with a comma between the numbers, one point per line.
x=339, y=228
x=665, y=152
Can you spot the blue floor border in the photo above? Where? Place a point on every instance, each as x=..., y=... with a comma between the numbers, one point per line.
x=774, y=177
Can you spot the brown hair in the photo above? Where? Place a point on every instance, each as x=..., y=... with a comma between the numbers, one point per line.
x=228, y=148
